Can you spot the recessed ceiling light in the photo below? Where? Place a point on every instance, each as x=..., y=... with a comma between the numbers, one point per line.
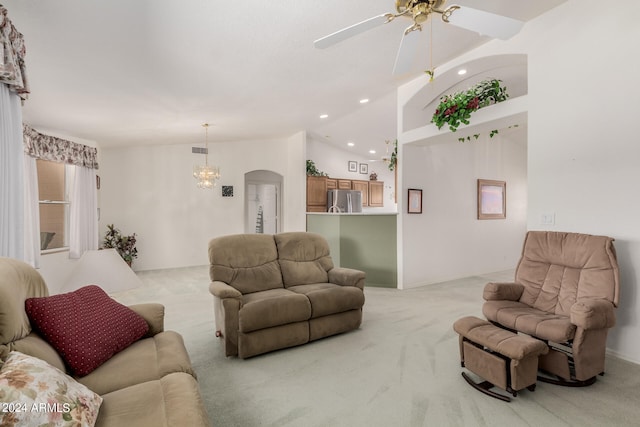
x=364, y=101
x=324, y=116
x=372, y=151
x=462, y=71
x=350, y=144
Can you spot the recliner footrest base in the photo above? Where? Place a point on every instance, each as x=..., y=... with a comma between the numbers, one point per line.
x=485, y=387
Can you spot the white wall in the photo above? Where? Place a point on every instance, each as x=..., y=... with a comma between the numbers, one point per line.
x=334, y=162
x=447, y=240
x=583, y=139
x=150, y=191
x=583, y=146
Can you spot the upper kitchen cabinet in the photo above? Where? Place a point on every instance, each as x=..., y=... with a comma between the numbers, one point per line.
x=376, y=193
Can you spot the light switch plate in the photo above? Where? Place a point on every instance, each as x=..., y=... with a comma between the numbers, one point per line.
x=548, y=219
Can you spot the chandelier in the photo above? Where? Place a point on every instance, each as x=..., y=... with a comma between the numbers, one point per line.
x=207, y=176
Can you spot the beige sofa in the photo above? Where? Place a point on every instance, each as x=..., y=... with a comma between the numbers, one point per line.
x=149, y=383
x=277, y=291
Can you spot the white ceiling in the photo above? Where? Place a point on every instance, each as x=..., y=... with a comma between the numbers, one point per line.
x=124, y=72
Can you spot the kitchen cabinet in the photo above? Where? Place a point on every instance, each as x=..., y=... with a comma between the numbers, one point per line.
x=344, y=184
x=363, y=187
x=376, y=193
x=317, y=187
x=316, y=193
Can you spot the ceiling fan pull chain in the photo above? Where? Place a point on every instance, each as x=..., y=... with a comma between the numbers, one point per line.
x=431, y=71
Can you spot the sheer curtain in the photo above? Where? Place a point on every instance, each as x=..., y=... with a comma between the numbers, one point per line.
x=83, y=232
x=31, y=212
x=14, y=89
x=11, y=175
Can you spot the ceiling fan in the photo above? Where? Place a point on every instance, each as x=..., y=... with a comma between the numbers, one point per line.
x=386, y=158
x=419, y=11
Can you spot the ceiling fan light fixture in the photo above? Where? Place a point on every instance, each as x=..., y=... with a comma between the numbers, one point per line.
x=364, y=100
x=421, y=12
x=324, y=116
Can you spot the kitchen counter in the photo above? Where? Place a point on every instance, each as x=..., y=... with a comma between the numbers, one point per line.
x=352, y=213
x=364, y=241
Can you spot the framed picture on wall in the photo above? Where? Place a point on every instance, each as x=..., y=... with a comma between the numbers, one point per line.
x=414, y=205
x=492, y=199
x=364, y=168
x=353, y=166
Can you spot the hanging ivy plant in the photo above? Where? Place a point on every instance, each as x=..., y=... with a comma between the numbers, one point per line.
x=393, y=159
x=457, y=108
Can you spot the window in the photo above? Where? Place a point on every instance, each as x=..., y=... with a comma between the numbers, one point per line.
x=54, y=203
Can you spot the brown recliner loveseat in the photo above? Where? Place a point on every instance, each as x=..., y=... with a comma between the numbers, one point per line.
x=565, y=292
x=277, y=291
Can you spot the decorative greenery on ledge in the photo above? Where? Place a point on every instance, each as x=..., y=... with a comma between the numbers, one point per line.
x=312, y=170
x=456, y=108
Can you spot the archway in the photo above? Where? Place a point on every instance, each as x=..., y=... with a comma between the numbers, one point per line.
x=263, y=202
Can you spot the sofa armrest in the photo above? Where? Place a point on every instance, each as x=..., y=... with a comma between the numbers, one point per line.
x=500, y=291
x=153, y=313
x=222, y=290
x=347, y=277
x=227, y=302
x=591, y=313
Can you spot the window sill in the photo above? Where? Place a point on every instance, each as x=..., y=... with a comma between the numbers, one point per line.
x=54, y=251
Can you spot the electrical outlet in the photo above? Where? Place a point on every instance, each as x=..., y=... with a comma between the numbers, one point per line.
x=547, y=219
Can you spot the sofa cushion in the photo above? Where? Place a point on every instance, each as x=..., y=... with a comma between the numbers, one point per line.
x=272, y=308
x=304, y=258
x=18, y=281
x=145, y=360
x=558, y=268
x=521, y=317
x=247, y=262
x=173, y=400
x=35, y=346
x=85, y=326
x=328, y=298
x=39, y=394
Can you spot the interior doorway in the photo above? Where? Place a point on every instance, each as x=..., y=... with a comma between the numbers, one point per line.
x=263, y=202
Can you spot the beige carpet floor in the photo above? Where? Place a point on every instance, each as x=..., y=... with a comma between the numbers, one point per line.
x=401, y=368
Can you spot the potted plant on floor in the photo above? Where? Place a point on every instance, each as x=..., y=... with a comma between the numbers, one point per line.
x=124, y=245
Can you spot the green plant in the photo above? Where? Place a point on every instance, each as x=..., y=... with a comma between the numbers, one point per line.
x=393, y=160
x=457, y=108
x=312, y=170
x=124, y=245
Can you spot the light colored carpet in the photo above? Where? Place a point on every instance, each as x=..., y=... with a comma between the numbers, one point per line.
x=401, y=368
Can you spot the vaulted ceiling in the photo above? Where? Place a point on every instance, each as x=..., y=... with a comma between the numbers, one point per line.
x=124, y=72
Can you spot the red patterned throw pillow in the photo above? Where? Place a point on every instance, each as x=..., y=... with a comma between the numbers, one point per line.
x=87, y=327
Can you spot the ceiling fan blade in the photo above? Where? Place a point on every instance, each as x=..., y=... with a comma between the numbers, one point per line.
x=351, y=31
x=406, y=51
x=485, y=23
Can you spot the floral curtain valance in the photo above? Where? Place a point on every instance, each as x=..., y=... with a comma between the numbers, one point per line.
x=47, y=147
x=12, y=53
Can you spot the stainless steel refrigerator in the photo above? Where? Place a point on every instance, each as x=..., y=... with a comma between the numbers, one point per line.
x=344, y=201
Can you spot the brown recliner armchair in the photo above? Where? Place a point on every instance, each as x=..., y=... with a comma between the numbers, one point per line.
x=565, y=292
